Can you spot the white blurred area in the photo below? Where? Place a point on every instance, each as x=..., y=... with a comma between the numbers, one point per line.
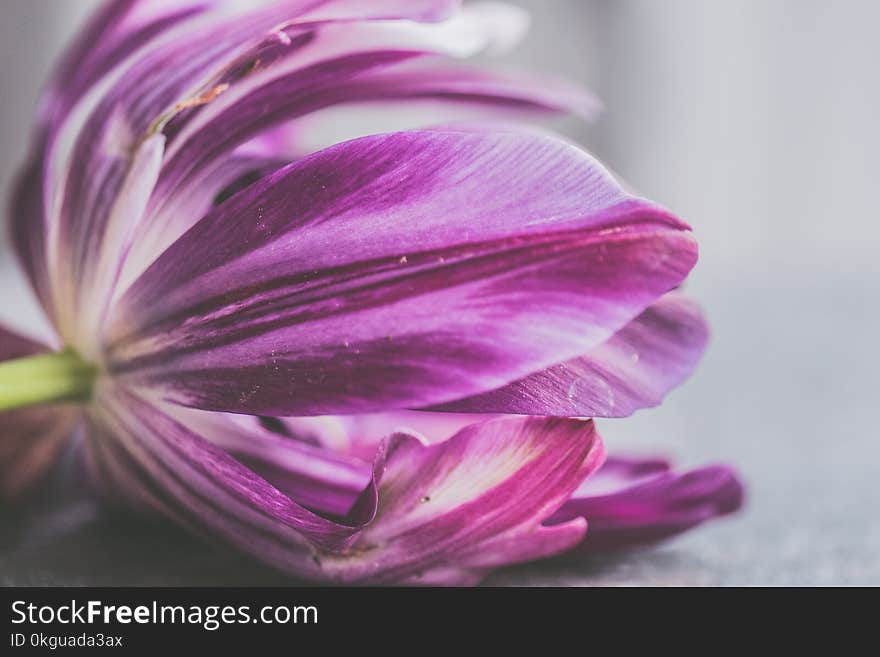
x=757, y=122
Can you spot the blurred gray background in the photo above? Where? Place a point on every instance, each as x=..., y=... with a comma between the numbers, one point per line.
x=757, y=122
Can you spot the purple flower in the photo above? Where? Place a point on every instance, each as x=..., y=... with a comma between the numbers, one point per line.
x=207, y=272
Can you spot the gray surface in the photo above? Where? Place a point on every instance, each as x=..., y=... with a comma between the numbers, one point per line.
x=756, y=121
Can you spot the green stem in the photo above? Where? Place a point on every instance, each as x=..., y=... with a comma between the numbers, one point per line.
x=45, y=378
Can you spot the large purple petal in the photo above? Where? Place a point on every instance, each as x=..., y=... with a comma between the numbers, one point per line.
x=633, y=369
x=393, y=271
x=634, y=502
x=30, y=439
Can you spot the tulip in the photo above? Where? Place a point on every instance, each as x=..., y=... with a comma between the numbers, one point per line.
x=232, y=307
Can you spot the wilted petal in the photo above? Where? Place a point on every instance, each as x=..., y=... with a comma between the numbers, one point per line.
x=633, y=502
x=120, y=29
x=633, y=369
x=90, y=155
x=443, y=513
x=307, y=67
x=627, y=502
x=451, y=511
x=393, y=271
x=31, y=438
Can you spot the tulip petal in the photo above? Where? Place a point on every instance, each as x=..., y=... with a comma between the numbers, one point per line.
x=633, y=369
x=153, y=459
x=393, y=271
x=627, y=502
x=449, y=512
x=121, y=28
x=320, y=479
x=422, y=514
x=31, y=438
x=108, y=133
x=307, y=67
x=633, y=502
